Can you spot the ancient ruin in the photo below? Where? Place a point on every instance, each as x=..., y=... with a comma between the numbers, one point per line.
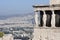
x=48, y=26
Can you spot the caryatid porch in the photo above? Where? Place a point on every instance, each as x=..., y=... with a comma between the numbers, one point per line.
x=49, y=26
x=49, y=15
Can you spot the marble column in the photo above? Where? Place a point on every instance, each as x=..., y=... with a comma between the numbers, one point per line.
x=53, y=19
x=36, y=18
x=44, y=19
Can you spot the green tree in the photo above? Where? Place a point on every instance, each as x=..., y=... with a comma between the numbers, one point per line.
x=1, y=34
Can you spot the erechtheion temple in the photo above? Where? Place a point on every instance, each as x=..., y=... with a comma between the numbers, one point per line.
x=48, y=26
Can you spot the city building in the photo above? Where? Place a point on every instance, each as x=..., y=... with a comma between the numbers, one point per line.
x=7, y=37
x=49, y=26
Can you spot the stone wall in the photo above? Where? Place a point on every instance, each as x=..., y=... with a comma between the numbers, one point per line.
x=54, y=2
x=46, y=34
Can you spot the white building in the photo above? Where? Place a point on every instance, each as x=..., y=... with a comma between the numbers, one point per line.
x=49, y=26
x=7, y=37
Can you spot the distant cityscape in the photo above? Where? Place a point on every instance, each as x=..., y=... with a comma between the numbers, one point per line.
x=18, y=26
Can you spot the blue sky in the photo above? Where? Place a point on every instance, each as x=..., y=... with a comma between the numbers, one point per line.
x=11, y=7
